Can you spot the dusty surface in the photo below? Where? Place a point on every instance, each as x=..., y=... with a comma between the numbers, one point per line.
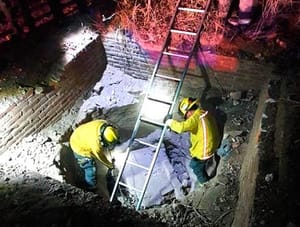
x=27, y=189
x=39, y=198
x=32, y=166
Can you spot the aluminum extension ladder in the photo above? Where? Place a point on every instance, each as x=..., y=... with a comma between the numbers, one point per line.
x=169, y=52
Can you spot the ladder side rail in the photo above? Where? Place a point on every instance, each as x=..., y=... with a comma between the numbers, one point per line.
x=131, y=141
x=137, y=124
x=173, y=104
x=180, y=84
x=153, y=75
x=155, y=71
x=134, y=132
x=171, y=107
x=165, y=44
x=198, y=33
x=147, y=94
x=170, y=28
x=196, y=39
x=119, y=176
x=201, y=25
x=151, y=168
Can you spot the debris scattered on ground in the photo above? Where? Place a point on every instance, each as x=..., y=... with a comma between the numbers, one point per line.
x=42, y=150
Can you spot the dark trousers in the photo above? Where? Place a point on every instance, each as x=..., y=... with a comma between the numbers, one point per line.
x=198, y=167
x=88, y=165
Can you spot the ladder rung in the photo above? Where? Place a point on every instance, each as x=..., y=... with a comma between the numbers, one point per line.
x=176, y=55
x=167, y=77
x=152, y=122
x=137, y=165
x=192, y=10
x=145, y=143
x=160, y=100
x=170, y=48
x=183, y=32
x=167, y=50
x=130, y=187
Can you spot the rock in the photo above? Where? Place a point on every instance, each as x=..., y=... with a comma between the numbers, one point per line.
x=38, y=90
x=269, y=177
x=235, y=95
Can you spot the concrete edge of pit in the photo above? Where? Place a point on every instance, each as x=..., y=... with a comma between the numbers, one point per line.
x=250, y=166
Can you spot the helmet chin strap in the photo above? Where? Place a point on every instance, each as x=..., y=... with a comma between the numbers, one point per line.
x=102, y=139
x=194, y=102
x=103, y=142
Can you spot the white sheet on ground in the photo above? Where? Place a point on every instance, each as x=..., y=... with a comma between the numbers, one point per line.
x=163, y=179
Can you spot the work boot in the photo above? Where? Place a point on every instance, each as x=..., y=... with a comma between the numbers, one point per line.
x=197, y=185
x=91, y=189
x=234, y=20
x=202, y=185
x=116, y=202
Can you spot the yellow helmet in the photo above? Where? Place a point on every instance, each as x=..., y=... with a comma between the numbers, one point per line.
x=109, y=135
x=186, y=104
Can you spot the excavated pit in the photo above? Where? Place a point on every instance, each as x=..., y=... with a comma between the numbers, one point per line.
x=226, y=200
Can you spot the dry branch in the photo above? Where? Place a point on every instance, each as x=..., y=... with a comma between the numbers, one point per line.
x=148, y=20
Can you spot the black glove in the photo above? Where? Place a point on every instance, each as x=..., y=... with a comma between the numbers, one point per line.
x=168, y=116
x=113, y=160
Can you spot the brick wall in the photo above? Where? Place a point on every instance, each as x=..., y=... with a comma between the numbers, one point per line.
x=123, y=53
x=229, y=72
x=36, y=111
x=20, y=17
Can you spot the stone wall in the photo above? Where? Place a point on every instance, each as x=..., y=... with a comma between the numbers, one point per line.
x=36, y=111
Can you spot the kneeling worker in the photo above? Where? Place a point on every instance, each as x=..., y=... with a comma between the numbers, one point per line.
x=88, y=142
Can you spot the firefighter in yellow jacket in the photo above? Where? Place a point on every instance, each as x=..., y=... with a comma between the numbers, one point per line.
x=204, y=135
x=89, y=142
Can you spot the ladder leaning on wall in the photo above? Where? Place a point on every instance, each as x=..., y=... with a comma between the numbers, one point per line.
x=170, y=52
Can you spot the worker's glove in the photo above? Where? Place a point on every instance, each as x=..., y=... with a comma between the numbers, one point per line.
x=114, y=173
x=113, y=160
x=169, y=122
x=167, y=117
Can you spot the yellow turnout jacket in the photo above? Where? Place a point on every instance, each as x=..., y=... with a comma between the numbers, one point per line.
x=204, y=134
x=85, y=141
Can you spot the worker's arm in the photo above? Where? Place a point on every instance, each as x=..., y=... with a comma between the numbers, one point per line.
x=182, y=126
x=97, y=151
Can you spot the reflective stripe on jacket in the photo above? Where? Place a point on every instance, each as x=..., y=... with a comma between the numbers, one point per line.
x=204, y=134
x=85, y=141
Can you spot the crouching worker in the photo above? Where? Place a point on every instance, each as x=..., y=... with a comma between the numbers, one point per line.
x=88, y=142
x=204, y=137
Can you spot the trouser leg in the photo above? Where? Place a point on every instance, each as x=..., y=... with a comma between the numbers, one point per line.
x=246, y=9
x=198, y=167
x=211, y=166
x=88, y=165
